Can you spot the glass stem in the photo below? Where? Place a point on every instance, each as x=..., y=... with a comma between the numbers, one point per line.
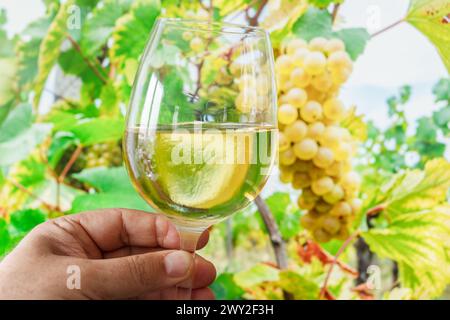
x=188, y=242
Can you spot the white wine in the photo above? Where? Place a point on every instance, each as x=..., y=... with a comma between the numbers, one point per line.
x=200, y=175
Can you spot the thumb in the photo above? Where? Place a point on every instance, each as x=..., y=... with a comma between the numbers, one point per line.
x=131, y=276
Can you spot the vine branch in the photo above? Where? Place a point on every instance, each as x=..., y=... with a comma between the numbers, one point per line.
x=253, y=21
x=276, y=240
x=335, y=260
x=22, y=188
x=70, y=163
x=387, y=28
x=335, y=12
x=77, y=47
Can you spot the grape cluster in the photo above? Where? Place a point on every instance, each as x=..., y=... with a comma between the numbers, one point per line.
x=315, y=151
x=107, y=154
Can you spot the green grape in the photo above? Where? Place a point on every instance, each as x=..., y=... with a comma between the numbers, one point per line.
x=315, y=63
x=333, y=109
x=305, y=149
x=317, y=44
x=297, y=97
x=283, y=142
x=341, y=209
x=308, y=221
x=287, y=157
x=296, y=131
x=322, y=206
x=302, y=166
x=316, y=173
x=334, y=45
x=356, y=205
x=343, y=151
x=322, y=82
x=350, y=182
x=286, y=174
x=320, y=235
x=336, y=194
x=324, y=157
x=283, y=64
x=315, y=130
x=339, y=60
x=299, y=78
x=331, y=137
x=295, y=44
x=305, y=203
x=322, y=186
x=298, y=58
x=287, y=114
x=331, y=224
x=301, y=180
x=311, y=111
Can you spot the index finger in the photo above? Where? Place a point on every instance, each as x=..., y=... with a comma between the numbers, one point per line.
x=112, y=229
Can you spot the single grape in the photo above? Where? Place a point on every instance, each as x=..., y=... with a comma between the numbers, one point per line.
x=333, y=109
x=298, y=58
x=322, y=186
x=341, y=209
x=305, y=203
x=301, y=180
x=322, y=82
x=305, y=149
x=300, y=78
x=311, y=111
x=315, y=63
x=296, y=131
x=334, y=45
x=343, y=234
x=336, y=194
x=317, y=44
x=283, y=64
x=302, y=166
x=245, y=82
x=331, y=224
x=323, y=207
x=335, y=169
x=295, y=44
x=316, y=173
x=297, y=97
x=324, y=157
x=356, y=205
x=338, y=60
x=287, y=114
x=315, y=130
x=331, y=137
x=350, y=182
x=308, y=221
x=320, y=235
x=286, y=174
x=343, y=151
x=287, y=157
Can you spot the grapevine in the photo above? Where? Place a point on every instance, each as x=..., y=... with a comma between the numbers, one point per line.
x=315, y=150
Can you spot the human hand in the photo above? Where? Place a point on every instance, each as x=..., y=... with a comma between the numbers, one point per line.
x=121, y=254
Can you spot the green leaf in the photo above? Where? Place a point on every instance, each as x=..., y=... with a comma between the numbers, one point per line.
x=426, y=130
x=98, y=130
x=323, y=3
x=287, y=216
x=301, y=287
x=8, y=67
x=256, y=275
x=31, y=172
x=18, y=120
x=61, y=141
x=429, y=17
x=225, y=288
x=105, y=179
x=417, y=190
x=25, y=220
x=355, y=40
x=442, y=119
x=313, y=23
x=109, y=100
x=356, y=125
x=50, y=48
x=442, y=90
x=99, y=26
x=20, y=147
x=5, y=238
x=132, y=30
x=114, y=191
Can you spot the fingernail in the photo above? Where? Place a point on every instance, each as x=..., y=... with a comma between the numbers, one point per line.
x=178, y=263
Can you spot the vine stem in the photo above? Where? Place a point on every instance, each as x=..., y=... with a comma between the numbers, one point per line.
x=77, y=47
x=330, y=270
x=387, y=28
x=47, y=205
x=70, y=163
x=276, y=240
x=335, y=12
x=253, y=21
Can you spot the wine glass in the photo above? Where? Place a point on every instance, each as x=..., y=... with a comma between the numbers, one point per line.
x=201, y=135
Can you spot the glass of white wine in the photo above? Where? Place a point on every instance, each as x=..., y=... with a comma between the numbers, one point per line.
x=201, y=134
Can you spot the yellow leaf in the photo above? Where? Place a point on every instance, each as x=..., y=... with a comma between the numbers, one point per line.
x=355, y=124
x=431, y=17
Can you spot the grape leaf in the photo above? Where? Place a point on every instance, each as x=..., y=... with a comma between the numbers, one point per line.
x=256, y=275
x=287, y=216
x=323, y=3
x=299, y=286
x=417, y=190
x=418, y=241
x=430, y=18
x=25, y=220
x=109, y=100
x=8, y=67
x=5, y=238
x=50, y=48
x=18, y=120
x=31, y=172
x=355, y=40
x=442, y=90
x=132, y=30
x=20, y=147
x=114, y=191
x=225, y=288
x=313, y=23
x=98, y=130
x=99, y=25
x=355, y=124
x=61, y=141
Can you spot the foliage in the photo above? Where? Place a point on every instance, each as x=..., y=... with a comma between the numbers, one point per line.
x=45, y=156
